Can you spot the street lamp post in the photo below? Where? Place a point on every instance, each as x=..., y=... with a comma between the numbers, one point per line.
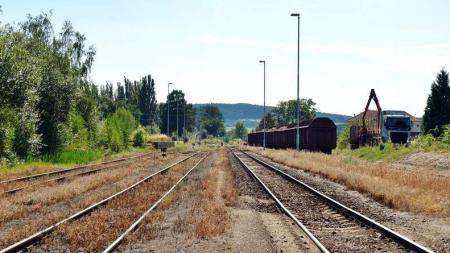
x=264, y=114
x=298, y=78
x=177, y=118
x=168, y=104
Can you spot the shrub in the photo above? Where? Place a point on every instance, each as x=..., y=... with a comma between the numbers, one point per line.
x=138, y=138
x=446, y=135
x=425, y=141
x=119, y=127
x=115, y=143
x=344, y=138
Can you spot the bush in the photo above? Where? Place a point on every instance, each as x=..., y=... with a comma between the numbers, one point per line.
x=115, y=143
x=138, y=138
x=119, y=128
x=446, y=135
x=344, y=138
x=153, y=129
x=425, y=141
x=78, y=134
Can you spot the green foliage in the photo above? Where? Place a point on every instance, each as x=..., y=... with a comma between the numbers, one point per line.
x=115, y=142
x=285, y=113
x=344, y=138
x=119, y=128
x=78, y=135
x=240, y=131
x=186, y=113
x=153, y=129
x=270, y=122
x=138, y=138
x=446, y=135
x=437, y=111
x=147, y=101
x=73, y=156
x=211, y=119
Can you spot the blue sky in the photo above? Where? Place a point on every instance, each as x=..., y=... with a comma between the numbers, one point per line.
x=210, y=49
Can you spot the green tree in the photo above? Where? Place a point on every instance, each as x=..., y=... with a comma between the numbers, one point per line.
x=240, y=131
x=211, y=119
x=147, y=101
x=185, y=112
x=437, y=110
x=286, y=111
x=270, y=122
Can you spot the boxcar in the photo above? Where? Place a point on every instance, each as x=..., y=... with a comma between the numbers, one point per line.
x=315, y=135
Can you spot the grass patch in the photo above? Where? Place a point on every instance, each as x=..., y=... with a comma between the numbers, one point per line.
x=73, y=156
x=387, y=152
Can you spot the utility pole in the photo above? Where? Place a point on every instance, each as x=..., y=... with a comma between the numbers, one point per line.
x=264, y=114
x=298, y=79
x=168, y=104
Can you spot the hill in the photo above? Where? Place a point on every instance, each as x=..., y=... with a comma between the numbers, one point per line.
x=251, y=114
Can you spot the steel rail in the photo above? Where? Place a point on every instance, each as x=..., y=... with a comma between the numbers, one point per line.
x=61, y=178
x=24, y=178
x=403, y=240
x=22, y=244
x=321, y=247
x=135, y=225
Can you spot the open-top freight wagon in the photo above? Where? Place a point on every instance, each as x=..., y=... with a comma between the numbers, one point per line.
x=318, y=134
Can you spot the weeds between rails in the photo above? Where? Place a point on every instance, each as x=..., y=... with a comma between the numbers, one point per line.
x=22, y=244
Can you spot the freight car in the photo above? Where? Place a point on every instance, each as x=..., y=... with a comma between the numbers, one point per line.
x=315, y=135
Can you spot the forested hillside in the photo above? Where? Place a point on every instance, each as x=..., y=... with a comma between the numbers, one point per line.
x=251, y=114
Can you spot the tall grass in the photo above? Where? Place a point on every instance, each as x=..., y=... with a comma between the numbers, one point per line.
x=419, y=191
x=73, y=156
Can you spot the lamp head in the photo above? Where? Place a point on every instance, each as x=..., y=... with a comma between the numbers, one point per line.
x=295, y=14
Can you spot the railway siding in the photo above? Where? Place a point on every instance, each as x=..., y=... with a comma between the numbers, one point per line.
x=339, y=231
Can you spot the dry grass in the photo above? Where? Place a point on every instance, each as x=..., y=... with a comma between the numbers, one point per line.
x=38, y=167
x=93, y=232
x=35, y=210
x=22, y=204
x=419, y=191
x=210, y=214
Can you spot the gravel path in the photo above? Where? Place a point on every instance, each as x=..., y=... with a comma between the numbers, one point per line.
x=433, y=233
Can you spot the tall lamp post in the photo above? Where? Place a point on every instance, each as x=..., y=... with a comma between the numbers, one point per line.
x=264, y=115
x=168, y=104
x=177, y=118
x=298, y=78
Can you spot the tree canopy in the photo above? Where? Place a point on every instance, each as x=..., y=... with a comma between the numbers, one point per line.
x=437, y=110
x=285, y=113
x=211, y=119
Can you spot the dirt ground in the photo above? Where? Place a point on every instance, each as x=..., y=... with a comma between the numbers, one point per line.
x=439, y=161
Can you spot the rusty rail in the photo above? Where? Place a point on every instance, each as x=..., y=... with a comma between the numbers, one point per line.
x=24, y=243
x=403, y=240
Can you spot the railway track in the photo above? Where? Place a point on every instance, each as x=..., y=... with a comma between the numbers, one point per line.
x=332, y=226
x=15, y=185
x=25, y=243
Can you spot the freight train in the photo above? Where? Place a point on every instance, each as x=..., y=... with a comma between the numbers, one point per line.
x=318, y=134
